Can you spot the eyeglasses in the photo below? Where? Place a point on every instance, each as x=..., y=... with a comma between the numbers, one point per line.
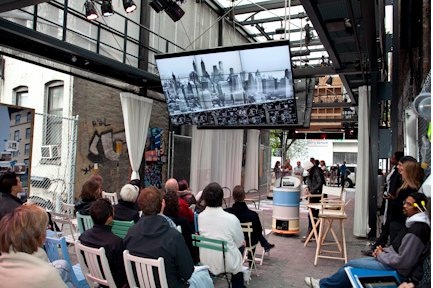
x=407, y=203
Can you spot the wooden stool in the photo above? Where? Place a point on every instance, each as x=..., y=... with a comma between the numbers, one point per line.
x=331, y=210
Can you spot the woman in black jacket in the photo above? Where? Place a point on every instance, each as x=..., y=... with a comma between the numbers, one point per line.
x=90, y=191
x=412, y=175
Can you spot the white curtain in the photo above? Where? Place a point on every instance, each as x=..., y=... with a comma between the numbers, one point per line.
x=252, y=160
x=216, y=156
x=136, y=115
x=360, y=219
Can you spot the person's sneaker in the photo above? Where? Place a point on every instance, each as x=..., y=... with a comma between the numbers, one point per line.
x=311, y=282
x=367, y=252
x=269, y=247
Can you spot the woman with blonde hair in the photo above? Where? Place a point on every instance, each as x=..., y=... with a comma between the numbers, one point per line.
x=23, y=263
x=412, y=175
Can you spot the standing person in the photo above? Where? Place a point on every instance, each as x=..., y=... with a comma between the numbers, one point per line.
x=337, y=175
x=153, y=237
x=412, y=176
x=100, y=235
x=324, y=169
x=343, y=169
x=215, y=223
x=10, y=186
x=287, y=168
x=405, y=255
x=277, y=170
x=332, y=176
x=393, y=183
x=316, y=180
x=299, y=171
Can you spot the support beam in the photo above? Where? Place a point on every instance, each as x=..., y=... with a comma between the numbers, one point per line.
x=8, y=5
x=269, y=5
x=273, y=19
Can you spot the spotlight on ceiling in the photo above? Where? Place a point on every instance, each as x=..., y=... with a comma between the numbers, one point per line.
x=107, y=8
x=129, y=6
x=174, y=11
x=329, y=81
x=158, y=5
x=90, y=10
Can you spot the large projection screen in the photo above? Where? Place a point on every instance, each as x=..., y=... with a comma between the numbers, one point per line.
x=16, y=141
x=239, y=85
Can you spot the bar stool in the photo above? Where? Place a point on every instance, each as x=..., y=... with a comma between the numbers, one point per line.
x=331, y=210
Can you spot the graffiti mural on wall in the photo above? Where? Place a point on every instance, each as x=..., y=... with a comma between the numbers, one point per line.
x=102, y=146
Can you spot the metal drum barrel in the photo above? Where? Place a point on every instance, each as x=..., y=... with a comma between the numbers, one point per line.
x=285, y=216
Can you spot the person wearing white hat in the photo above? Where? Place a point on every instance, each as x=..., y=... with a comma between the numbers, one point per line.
x=315, y=182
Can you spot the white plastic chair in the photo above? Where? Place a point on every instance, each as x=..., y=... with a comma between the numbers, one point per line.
x=110, y=196
x=68, y=208
x=144, y=270
x=260, y=256
x=67, y=227
x=91, y=261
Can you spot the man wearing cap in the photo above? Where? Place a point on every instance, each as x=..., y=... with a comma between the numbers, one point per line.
x=315, y=182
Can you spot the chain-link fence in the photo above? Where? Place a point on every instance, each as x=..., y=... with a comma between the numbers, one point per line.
x=53, y=161
x=423, y=128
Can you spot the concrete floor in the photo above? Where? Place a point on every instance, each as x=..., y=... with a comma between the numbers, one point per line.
x=290, y=261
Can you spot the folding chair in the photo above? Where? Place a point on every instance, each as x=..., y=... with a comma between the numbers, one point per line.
x=314, y=221
x=120, y=228
x=84, y=222
x=213, y=244
x=144, y=271
x=265, y=232
x=91, y=261
x=68, y=208
x=51, y=247
x=249, y=198
x=247, y=228
x=110, y=196
x=67, y=227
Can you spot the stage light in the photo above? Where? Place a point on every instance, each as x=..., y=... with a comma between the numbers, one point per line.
x=90, y=10
x=107, y=8
x=158, y=5
x=174, y=11
x=129, y=6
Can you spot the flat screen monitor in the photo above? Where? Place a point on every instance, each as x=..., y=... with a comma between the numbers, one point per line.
x=240, y=85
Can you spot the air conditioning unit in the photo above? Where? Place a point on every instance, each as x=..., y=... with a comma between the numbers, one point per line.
x=50, y=151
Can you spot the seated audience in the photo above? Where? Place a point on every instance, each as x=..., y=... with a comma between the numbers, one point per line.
x=199, y=206
x=125, y=209
x=97, y=178
x=185, y=194
x=215, y=223
x=100, y=235
x=405, y=255
x=10, y=186
x=152, y=237
x=23, y=263
x=171, y=210
x=171, y=185
x=240, y=210
x=90, y=191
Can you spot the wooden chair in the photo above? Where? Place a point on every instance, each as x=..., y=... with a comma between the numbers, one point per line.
x=120, y=228
x=227, y=196
x=91, y=261
x=247, y=228
x=314, y=221
x=249, y=197
x=260, y=256
x=84, y=222
x=144, y=271
x=51, y=246
x=331, y=210
x=67, y=227
x=110, y=196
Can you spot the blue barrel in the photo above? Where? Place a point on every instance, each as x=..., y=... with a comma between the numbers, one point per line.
x=285, y=216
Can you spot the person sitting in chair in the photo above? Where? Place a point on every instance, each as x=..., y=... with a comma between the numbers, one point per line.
x=100, y=235
x=240, y=210
x=405, y=255
x=125, y=210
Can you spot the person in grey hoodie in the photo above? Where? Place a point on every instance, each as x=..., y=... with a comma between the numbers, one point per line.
x=153, y=237
x=405, y=255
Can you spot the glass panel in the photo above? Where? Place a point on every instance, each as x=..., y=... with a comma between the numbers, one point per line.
x=56, y=98
x=23, y=98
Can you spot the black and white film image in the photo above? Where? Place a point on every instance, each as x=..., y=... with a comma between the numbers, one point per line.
x=247, y=87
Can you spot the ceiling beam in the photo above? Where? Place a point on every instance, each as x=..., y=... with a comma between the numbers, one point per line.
x=261, y=6
x=8, y=5
x=273, y=19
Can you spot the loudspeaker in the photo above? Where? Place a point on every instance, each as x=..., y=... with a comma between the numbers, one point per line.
x=174, y=11
x=410, y=23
